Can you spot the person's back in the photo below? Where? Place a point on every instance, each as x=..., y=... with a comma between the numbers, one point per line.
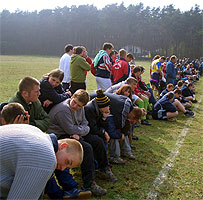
x=120, y=70
x=21, y=145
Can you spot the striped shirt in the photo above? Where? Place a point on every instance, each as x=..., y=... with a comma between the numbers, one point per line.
x=27, y=161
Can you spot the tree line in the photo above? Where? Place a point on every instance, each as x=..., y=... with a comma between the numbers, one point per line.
x=163, y=31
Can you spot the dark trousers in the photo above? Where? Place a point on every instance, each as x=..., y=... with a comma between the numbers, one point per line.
x=99, y=149
x=75, y=86
x=65, y=86
x=87, y=166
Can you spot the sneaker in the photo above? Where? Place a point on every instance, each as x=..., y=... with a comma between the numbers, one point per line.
x=129, y=155
x=135, y=137
x=194, y=101
x=77, y=194
x=145, y=122
x=136, y=125
x=133, y=146
x=189, y=113
x=96, y=190
x=117, y=161
x=107, y=174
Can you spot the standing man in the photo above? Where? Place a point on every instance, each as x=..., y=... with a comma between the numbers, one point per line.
x=120, y=70
x=78, y=66
x=103, y=64
x=27, y=96
x=65, y=65
x=170, y=70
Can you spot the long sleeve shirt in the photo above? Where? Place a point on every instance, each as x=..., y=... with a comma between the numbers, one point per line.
x=66, y=122
x=27, y=161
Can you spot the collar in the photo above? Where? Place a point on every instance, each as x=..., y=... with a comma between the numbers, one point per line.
x=54, y=141
x=123, y=59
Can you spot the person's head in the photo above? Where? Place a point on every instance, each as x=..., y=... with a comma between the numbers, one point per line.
x=142, y=69
x=170, y=87
x=29, y=88
x=103, y=102
x=190, y=85
x=170, y=96
x=130, y=57
x=177, y=93
x=108, y=47
x=135, y=115
x=69, y=49
x=122, y=53
x=173, y=59
x=54, y=77
x=162, y=59
x=191, y=79
x=69, y=154
x=79, y=99
x=156, y=57
x=125, y=90
x=113, y=54
x=137, y=71
x=80, y=50
x=132, y=82
x=180, y=84
x=10, y=112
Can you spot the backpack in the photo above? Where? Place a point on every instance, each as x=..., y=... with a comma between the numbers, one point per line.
x=93, y=69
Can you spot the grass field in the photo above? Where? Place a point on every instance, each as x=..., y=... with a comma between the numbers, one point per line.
x=153, y=147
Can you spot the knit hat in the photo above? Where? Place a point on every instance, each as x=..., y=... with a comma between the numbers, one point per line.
x=101, y=99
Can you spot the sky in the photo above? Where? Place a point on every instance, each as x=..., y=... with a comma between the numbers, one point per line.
x=31, y=5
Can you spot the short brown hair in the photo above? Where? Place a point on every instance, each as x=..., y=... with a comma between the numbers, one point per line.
x=27, y=84
x=131, y=80
x=130, y=55
x=57, y=73
x=82, y=96
x=68, y=47
x=122, y=53
x=177, y=91
x=180, y=83
x=170, y=95
x=107, y=45
x=74, y=147
x=136, y=69
x=170, y=85
x=137, y=112
x=11, y=111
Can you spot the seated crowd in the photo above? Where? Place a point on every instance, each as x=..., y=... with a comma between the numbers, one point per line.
x=93, y=130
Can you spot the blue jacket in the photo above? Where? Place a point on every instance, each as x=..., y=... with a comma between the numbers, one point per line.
x=186, y=92
x=163, y=93
x=170, y=70
x=111, y=129
x=56, y=95
x=164, y=104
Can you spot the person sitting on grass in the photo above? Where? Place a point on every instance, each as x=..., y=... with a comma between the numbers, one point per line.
x=169, y=88
x=14, y=113
x=51, y=90
x=164, y=109
x=24, y=139
x=27, y=96
x=188, y=93
x=68, y=120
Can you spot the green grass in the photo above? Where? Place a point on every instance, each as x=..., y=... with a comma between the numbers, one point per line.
x=153, y=147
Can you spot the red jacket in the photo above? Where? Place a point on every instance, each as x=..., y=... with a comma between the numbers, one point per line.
x=120, y=71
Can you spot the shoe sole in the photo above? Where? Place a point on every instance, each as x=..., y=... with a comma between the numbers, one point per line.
x=82, y=195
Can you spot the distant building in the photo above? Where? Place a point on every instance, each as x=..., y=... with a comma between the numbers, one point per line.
x=137, y=51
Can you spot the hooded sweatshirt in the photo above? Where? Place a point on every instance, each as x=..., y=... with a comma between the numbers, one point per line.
x=77, y=67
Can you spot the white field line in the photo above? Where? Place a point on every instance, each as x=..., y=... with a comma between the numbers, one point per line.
x=163, y=174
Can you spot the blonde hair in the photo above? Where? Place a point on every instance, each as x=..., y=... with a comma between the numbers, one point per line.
x=74, y=147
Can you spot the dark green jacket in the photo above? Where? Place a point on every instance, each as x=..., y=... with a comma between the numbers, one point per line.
x=78, y=66
x=38, y=117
